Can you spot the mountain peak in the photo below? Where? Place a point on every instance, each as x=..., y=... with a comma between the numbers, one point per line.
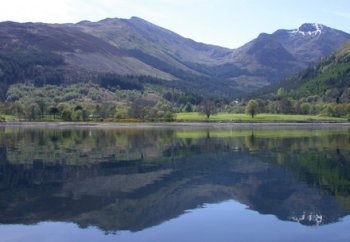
x=138, y=19
x=309, y=29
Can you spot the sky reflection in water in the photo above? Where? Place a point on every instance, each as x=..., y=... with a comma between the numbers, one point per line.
x=174, y=185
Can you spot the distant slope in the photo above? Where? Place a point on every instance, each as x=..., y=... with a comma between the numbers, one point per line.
x=66, y=53
x=79, y=49
x=330, y=78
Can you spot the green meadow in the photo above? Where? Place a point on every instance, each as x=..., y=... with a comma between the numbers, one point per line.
x=264, y=117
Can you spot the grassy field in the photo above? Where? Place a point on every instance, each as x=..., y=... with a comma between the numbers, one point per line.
x=229, y=117
x=12, y=118
x=9, y=118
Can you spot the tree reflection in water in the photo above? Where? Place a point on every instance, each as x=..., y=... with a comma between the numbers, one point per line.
x=128, y=179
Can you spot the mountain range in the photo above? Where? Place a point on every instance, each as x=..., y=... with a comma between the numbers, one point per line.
x=81, y=52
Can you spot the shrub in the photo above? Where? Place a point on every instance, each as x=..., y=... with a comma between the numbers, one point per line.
x=67, y=115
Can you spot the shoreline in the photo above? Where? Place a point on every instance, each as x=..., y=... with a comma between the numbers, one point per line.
x=173, y=125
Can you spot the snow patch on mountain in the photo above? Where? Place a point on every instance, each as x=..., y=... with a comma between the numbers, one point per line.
x=313, y=29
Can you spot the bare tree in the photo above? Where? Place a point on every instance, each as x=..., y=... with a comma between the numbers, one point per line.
x=207, y=107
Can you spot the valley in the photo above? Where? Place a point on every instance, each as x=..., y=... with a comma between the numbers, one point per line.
x=131, y=68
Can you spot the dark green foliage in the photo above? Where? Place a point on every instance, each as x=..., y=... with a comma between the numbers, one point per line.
x=28, y=58
x=53, y=77
x=182, y=98
x=37, y=66
x=67, y=115
x=331, y=73
x=85, y=114
x=285, y=106
x=320, y=89
x=78, y=108
x=168, y=117
x=335, y=75
x=105, y=110
x=42, y=107
x=113, y=81
x=54, y=111
x=32, y=111
x=188, y=108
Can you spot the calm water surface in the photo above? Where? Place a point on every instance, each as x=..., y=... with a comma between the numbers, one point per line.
x=174, y=185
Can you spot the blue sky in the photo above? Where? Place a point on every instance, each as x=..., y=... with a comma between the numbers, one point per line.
x=229, y=23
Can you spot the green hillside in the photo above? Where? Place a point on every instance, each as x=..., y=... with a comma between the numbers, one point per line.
x=330, y=79
x=321, y=89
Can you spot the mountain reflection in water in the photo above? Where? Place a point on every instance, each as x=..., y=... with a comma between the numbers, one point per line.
x=134, y=179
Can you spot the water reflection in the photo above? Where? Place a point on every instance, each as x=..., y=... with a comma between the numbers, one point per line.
x=134, y=179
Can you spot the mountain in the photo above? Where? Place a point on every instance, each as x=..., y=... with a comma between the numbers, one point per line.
x=272, y=57
x=330, y=78
x=310, y=42
x=66, y=53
